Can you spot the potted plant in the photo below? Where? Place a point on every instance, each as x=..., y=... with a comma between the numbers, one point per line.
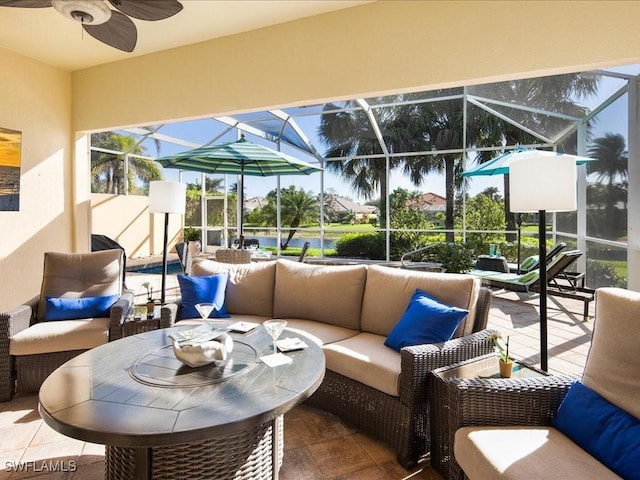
x=191, y=236
x=502, y=350
x=151, y=304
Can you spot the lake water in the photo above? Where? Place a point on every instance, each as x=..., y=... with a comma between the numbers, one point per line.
x=295, y=242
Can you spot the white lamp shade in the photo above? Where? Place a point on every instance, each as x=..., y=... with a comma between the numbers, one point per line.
x=167, y=197
x=543, y=183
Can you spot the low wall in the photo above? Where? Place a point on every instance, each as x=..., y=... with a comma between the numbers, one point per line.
x=126, y=219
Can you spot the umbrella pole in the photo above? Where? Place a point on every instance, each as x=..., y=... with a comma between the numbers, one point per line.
x=519, y=222
x=241, y=215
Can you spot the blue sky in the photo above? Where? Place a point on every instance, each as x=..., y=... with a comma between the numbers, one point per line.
x=612, y=119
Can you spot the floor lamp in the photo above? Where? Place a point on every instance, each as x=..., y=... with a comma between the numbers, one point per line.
x=166, y=197
x=543, y=184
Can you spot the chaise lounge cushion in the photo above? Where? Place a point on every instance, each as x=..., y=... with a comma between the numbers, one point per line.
x=60, y=336
x=389, y=290
x=364, y=358
x=329, y=294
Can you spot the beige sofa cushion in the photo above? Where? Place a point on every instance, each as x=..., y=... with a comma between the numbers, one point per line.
x=388, y=291
x=60, y=336
x=250, y=286
x=320, y=333
x=79, y=275
x=364, y=358
x=329, y=294
x=613, y=362
x=487, y=453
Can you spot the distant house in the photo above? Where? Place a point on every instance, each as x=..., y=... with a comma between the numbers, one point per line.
x=251, y=204
x=338, y=208
x=428, y=202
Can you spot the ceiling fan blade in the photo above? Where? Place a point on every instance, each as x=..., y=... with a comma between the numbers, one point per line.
x=149, y=10
x=25, y=3
x=119, y=32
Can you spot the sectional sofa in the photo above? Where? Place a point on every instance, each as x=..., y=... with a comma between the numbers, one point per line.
x=350, y=311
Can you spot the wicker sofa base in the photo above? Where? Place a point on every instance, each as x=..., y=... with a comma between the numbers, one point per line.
x=377, y=413
x=32, y=370
x=250, y=454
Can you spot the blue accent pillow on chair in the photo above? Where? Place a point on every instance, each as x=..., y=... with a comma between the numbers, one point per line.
x=60, y=308
x=605, y=431
x=207, y=289
x=426, y=320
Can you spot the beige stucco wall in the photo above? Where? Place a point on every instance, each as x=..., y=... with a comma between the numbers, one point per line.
x=375, y=48
x=36, y=100
x=126, y=219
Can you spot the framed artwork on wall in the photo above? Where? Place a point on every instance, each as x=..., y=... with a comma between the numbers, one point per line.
x=10, y=160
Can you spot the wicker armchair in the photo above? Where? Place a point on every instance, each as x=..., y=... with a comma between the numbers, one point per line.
x=230, y=255
x=496, y=411
x=28, y=356
x=403, y=422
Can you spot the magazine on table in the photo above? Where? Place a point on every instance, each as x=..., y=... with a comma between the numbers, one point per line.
x=200, y=334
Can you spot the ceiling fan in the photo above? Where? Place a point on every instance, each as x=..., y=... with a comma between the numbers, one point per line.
x=113, y=27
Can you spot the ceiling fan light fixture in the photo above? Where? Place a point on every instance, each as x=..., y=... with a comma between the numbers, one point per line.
x=87, y=12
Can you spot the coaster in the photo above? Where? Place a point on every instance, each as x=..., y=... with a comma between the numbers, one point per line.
x=290, y=344
x=243, y=327
x=276, y=359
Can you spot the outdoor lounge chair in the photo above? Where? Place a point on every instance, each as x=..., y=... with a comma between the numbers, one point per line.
x=531, y=428
x=532, y=262
x=42, y=334
x=529, y=282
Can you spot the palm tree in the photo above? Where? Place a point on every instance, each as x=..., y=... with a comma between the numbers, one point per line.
x=611, y=164
x=107, y=169
x=348, y=133
x=556, y=93
x=297, y=207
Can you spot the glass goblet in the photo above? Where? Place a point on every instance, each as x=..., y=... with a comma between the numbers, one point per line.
x=204, y=309
x=275, y=328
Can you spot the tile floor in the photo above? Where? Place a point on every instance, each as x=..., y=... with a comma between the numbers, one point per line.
x=317, y=444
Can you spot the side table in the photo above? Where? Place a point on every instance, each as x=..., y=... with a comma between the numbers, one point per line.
x=495, y=264
x=138, y=321
x=451, y=403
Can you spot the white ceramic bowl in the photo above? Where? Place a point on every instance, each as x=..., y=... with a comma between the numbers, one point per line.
x=203, y=353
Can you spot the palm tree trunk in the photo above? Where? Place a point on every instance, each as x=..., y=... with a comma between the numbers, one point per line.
x=450, y=187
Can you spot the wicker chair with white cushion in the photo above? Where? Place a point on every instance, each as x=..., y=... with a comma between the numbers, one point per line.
x=82, y=304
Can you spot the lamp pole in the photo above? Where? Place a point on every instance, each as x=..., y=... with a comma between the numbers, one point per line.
x=542, y=264
x=164, y=258
x=166, y=197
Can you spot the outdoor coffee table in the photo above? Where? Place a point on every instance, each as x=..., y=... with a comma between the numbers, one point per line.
x=161, y=419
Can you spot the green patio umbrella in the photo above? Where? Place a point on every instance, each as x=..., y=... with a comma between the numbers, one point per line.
x=500, y=166
x=238, y=158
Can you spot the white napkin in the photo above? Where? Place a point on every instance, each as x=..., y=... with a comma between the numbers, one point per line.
x=276, y=359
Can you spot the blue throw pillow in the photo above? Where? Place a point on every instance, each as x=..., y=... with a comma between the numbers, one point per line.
x=58, y=308
x=608, y=433
x=426, y=320
x=210, y=289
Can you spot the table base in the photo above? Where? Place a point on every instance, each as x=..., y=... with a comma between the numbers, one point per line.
x=255, y=453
